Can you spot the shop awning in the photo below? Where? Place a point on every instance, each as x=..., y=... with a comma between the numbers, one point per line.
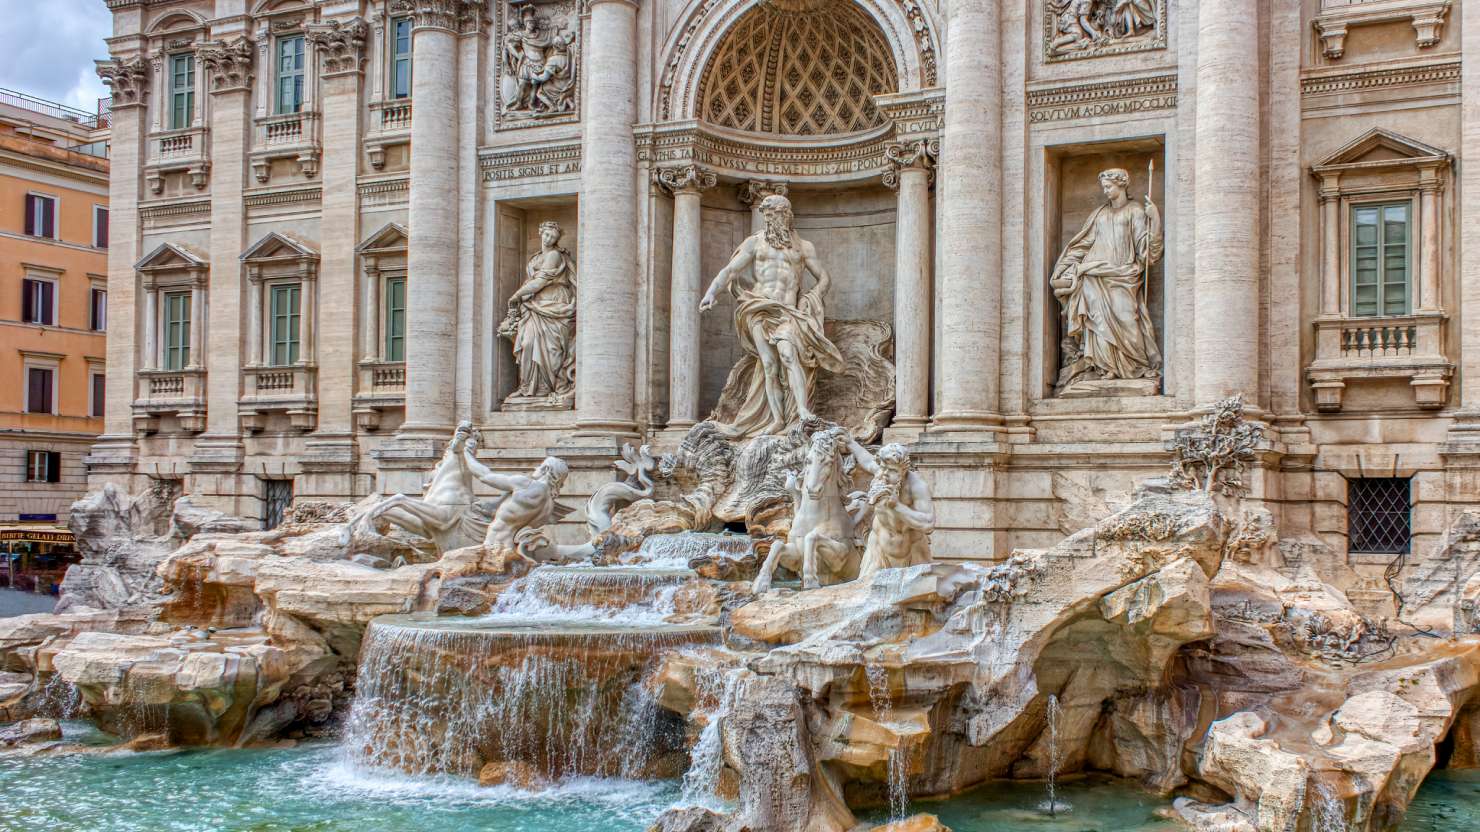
x=35, y=533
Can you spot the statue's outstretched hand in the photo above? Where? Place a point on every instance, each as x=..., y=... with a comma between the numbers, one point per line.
x=707, y=303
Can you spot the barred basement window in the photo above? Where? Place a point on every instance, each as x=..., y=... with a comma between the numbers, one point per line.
x=279, y=497
x=1379, y=515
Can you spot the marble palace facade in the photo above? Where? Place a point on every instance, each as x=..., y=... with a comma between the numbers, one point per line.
x=321, y=210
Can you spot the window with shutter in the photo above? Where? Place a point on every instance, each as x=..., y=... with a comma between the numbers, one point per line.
x=99, y=389
x=177, y=330
x=39, y=390
x=53, y=466
x=100, y=227
x=41, y=216
x=36, y=465
x=30, y=221
x=98, y=310
x=38, y=301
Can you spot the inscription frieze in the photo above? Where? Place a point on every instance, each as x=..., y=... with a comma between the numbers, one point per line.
x=1102, y=99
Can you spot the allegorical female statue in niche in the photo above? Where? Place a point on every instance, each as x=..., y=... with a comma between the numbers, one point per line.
x=1101, y=279
x=541, y=324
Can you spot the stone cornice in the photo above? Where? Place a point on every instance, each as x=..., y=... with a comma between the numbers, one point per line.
x=1380, y=78
x=848, y=158
x=531, y=161
x=1102, y=98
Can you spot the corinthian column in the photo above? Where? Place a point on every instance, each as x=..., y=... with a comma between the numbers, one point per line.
x=910, y=172
x=971, y=219
x=606, y=351
x=128, y=79
x=1226, y=283
x=431, y=339
x=684, y=364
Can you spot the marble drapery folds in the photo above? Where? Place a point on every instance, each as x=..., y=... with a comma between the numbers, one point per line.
x=541, y=324
x=1101, y=281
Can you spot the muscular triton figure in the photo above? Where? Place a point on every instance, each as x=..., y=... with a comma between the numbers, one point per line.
x=780, y=326
x=525, y=502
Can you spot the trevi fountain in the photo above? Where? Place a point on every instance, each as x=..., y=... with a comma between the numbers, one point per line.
x=797, y=420
x=753, y=634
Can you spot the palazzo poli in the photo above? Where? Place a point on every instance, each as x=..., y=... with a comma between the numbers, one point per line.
x=1029, y=240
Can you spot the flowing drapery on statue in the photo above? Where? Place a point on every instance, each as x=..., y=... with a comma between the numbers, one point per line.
x=779, y=327
x=1101, y=281
x=541, y=326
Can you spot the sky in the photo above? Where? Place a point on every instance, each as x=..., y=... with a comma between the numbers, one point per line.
x=47, y=48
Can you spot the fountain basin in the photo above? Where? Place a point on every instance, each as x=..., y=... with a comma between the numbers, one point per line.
x=562, y=698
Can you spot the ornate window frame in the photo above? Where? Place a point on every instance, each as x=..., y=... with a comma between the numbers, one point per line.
x=171, y=149
x=277, y=260
x=1352, y=348
x=168, y=269
x=381, y=382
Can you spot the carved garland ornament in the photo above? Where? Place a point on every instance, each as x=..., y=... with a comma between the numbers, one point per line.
x=127, y=79
x=230, y=63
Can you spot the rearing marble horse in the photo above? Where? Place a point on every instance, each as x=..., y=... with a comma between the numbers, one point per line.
x=820, y=543
x=442, y=512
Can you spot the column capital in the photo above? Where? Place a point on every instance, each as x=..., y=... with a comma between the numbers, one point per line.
x=752, y=191
x=229, y=62
x=437, y=14
x=918, y=155
x=127, y=78
x=341, y=43
x=686, y=179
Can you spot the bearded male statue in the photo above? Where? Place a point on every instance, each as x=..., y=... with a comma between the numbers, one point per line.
x=903, y=515
x=779, y=325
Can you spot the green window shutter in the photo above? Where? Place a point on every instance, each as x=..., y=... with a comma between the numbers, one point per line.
x=176, y=330
x=182, y=91
x=290, y=74
x=401, y=58
x=285, y=314
x=395, y=319
x=1381, y=259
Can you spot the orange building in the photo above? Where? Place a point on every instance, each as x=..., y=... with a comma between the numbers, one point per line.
x=53, y=310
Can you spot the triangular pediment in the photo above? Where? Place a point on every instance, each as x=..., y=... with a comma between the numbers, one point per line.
x=277, y=245
x=392, y=235
x=1381, y=148
x=172, y=256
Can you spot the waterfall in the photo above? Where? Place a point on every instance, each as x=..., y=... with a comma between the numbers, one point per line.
x=617, y=595
x=450, y=695
x=1328, y=814
x=60, y=698
x=675, y=551
x=1053, y=754
x=707, y=760
x=878, y=695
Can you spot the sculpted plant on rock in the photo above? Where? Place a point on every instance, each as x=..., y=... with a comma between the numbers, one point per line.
x=1214, y=455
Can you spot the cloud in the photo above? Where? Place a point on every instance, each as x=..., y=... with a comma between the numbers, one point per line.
x=47, y=48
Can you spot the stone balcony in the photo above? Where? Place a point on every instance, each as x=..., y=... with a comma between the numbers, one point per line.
x=171, y=151
x=287, y=136
x=292, y=390
x=390, y=125
x=382, y=386
x=180, y=393
x=1355, y=350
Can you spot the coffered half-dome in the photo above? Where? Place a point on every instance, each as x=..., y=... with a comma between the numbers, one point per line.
x=806, y=70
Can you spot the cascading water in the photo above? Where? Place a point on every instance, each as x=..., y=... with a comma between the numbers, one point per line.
x=60, y=698
x=707, y=759
x=1053, y=805
x=878, y=695
x=1327, y=812
x=676, y=551
x=447, y=696
x=552, y=682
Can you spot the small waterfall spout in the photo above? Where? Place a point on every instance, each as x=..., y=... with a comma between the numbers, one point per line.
x=878, y=694
x=632, y=596
x=701, y=781
x=677, y=551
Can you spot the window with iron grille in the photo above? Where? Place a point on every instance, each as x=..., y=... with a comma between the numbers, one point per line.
x=1379, y=515
x=279, y=497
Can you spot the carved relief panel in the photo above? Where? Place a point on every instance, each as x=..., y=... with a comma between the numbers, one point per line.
x=536, y=72
x=1092, y=28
